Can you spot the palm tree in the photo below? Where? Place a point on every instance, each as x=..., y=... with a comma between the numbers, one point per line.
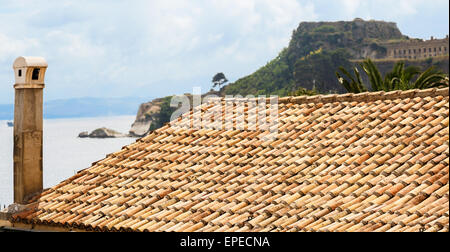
x=431, y=78
x=355, y=85
x=374, y=75
x=400, y=78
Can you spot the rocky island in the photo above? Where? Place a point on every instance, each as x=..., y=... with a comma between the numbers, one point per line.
x=102, y=133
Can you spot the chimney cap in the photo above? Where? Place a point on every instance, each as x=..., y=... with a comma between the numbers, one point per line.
x=30, y=62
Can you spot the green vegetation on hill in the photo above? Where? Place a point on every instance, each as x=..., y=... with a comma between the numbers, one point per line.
x=304, y=92
x=316, y=70
x=316, y=50
x=275, y=78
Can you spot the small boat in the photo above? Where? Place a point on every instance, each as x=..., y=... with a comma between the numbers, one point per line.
x=10, y=124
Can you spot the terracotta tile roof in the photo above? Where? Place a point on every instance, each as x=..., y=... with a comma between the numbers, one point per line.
x=366, y=162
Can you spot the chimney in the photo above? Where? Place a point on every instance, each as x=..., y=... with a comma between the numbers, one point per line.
x=432, y=38
x=29, y=74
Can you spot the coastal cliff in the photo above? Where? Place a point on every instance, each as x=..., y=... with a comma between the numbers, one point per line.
x=153, y=115
x=147, y=114
x=310, y=61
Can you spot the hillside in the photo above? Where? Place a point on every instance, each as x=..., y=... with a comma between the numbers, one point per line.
x=314, y=53
x=310, y=61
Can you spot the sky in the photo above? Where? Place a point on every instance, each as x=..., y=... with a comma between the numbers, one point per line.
x=154, y=48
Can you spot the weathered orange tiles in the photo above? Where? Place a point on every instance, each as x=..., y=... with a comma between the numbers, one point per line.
x=367, y=162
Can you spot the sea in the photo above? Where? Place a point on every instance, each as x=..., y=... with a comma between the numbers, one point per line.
x=64, y=153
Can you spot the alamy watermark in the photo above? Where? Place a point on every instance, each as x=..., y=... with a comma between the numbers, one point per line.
x=236, y=112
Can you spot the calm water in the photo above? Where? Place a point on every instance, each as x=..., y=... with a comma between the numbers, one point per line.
x=64, y=152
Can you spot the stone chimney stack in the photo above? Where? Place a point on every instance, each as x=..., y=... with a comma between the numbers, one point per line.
x=29, y=74
x=432, y=38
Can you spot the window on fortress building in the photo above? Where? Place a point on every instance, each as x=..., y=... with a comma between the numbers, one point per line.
x=435, y=49
x=414, y=50
x=429, y=49
x=404, y=51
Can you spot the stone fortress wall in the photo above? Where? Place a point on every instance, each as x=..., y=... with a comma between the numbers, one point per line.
x=418, y=49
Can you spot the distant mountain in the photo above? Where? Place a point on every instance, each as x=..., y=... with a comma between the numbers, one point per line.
x=6, y=112
x=83, y=107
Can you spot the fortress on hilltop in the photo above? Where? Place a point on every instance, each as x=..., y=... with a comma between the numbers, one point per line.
x=417, y=48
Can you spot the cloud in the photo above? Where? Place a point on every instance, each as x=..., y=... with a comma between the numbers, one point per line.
x=351, y=6
x=10, y=47
x=94, y=44
x=379, y=9
x=158, y=47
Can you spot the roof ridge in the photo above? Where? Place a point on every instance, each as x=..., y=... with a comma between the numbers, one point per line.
x=367, y=96
x=350, y=97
